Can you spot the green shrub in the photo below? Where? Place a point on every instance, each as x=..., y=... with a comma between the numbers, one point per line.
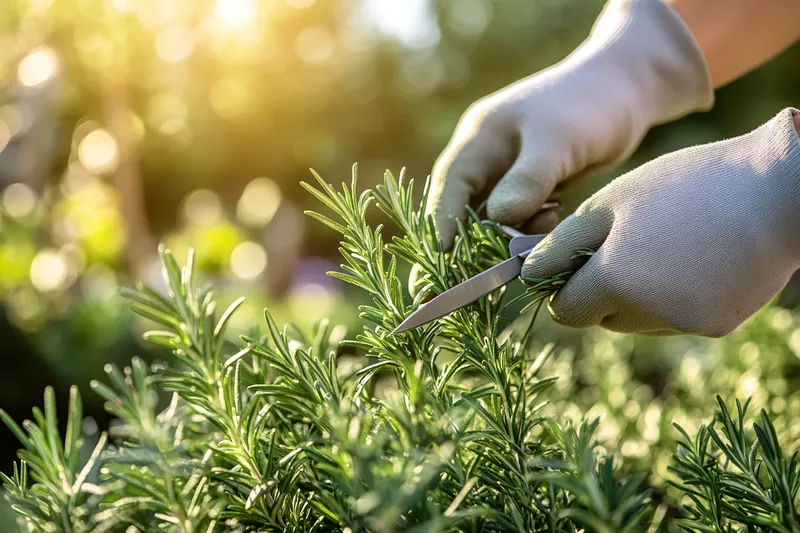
x=454, y=426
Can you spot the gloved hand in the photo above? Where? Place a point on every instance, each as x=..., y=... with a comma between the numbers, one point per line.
x=692, y=242
x=640, y=66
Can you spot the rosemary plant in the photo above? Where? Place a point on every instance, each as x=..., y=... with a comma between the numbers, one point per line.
x=440, y=429
x=738, y=480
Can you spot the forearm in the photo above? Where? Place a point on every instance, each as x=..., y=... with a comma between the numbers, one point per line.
x=736, y=36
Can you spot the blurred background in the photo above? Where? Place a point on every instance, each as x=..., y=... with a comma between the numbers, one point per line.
x=125, y=123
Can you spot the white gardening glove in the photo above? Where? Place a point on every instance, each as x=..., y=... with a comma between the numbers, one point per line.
x=640, y=66
x=693, y=242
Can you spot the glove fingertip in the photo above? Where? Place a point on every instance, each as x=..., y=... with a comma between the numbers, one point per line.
x=446, y=230
x=550, y=258
x=520, y=193
x=564, y=312
x=582, y=301
x=532, y=268
x=508, y=207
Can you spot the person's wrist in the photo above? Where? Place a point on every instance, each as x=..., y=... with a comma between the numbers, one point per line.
x=639, y=67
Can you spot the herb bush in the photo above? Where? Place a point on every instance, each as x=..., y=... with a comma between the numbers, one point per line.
x=455, y=426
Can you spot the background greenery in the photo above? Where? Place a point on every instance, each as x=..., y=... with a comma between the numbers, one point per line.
x=128, y=122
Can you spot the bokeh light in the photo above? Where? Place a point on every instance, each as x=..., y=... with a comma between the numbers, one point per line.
x=167, y=112
x=469, y=17
x=38, y=67
x=19, y=200
x=235, y=14
x=125, y=6
x=75, y=258
x=49, y=270
x=259, y=202
x=98, y=151
x=97, y=51
x=410, y=22
x=311, y=301
x=175, y=43
x=26, y=307
x=213, y=241
x=248, y=260
x=421, y=73
x=794, y=342
x=202, y=207
x=89, y=215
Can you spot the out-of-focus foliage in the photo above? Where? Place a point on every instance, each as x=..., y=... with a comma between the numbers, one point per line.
x=640, y=386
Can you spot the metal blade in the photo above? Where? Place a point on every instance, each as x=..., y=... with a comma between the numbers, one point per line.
x=524, y=244
x=463, y=294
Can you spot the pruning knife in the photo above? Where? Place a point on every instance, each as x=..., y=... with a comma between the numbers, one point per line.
x=478, y=286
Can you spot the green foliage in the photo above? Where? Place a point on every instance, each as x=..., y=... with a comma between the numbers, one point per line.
x=444, y=428
x=740, y=480
x=57, y=499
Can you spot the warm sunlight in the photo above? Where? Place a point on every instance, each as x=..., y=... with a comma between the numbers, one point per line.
x=98, y=151
x=48, y=270
x=235, y=14
x=245, y=230
x=38, y=67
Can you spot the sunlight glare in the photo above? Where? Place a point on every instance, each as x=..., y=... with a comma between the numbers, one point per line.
x=38, y=67
x=235, y=14
x=98, y=151
x=411, y=22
